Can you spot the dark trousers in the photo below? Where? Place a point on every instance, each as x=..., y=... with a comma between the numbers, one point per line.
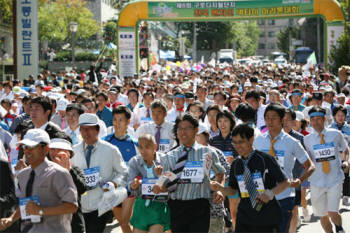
x=346, y=185
x=244, y=228
x=95, y=224
x=189, y=216
x=287, y=206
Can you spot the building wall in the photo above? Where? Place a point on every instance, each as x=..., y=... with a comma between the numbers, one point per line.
x=268, y=39
x=102, y=10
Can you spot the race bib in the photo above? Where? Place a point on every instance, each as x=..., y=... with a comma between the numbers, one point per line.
x=92, y=176
x=22, y=207
x=192, y=173
x=228, y=153
x=257, y=179
x=164, y=145
x=147, y=187
x=280, y=158
x=13, y=165
x=146, y=119
x=324, y=152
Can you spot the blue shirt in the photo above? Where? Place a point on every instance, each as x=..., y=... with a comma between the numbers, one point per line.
x=106, y=116
x=300, y=107
x=345, y=129
x=287, y=149
x=336, y=175
x=127, y=146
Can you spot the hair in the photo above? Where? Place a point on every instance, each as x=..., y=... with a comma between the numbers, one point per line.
x=245, y=112
x=187, y=117
x=228, y=115
x=148, y=137
x=339, y=108
x=6, y=101
x=133, y=90
x=104, y=95
x=169, y=97
x=220, y=93
x=292, y=113
x=213, y=107
x=244, y=131
x=148, y=93
x=78, y=107
x=45, y=103
x=159, y=104
x=278, y=108
x=26, y=98
x=122, y=109
x=253, y=94
x=317, y=109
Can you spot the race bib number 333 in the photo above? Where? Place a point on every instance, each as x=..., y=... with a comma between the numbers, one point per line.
x=92, y=176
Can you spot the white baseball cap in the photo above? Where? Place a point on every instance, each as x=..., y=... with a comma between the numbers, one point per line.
x=60, y=143
x=202, y=128
x=35, y=136
x=62, y=105
x=88, y=119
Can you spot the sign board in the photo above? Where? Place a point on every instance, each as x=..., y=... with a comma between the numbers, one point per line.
x=127, y=55
x=230, y=9
x=27, y=38
x=334, y=31
x=297, y=42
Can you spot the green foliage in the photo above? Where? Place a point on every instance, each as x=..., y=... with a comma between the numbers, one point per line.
x=82, y=56
x=63, y=56
x=54, y=19
x=245, y=35
x=285, y=36
x=6, y=11
x=110, y=32
x=340, y=55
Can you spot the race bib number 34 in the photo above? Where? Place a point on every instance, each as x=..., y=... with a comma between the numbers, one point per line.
x=92, y=176
x=147, y=187
x=193, y=172
x=324, y=152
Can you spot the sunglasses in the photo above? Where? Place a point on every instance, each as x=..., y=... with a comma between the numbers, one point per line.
x=26, y=147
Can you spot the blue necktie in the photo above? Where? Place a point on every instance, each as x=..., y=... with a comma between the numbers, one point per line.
x=88, y=155
x=74, y=138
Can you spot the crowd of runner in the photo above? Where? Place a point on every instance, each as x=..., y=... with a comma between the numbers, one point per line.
x=224, y=148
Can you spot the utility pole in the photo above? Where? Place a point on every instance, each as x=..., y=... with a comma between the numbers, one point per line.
x=194, y=47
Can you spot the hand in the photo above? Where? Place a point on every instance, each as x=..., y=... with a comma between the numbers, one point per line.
x=158, y=170
x=63, y=161
x=135, y=184
x=20, y=165
x=5, y=223
x=32, y=208
x=136, y=126
x=263, y=198
x=230, y=159
x=345, y=166
x=215, y=186
x=295, y=183
x=159, y=189
x=218, y=197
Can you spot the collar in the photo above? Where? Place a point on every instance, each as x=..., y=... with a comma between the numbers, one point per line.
x=194, y=146
x=282, y=133
x=43, y=126
x=39, y=169
x=122, y=138
x=156, y=160
x=246, y=161
x=86, y=145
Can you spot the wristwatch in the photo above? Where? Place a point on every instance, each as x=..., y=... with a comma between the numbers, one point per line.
x=41, y=212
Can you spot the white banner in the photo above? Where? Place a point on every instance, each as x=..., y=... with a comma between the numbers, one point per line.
x=127, y=55
x=27, y=38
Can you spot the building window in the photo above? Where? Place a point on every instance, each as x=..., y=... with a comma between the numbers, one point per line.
x=261, y=22
x=262, y=34
x=271, y=46
x=272, y=34
x=261, y=46
x=271, y=22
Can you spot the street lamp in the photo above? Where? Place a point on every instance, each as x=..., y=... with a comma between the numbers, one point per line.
x=73, y=27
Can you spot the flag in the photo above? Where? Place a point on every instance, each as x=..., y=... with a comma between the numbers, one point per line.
x=310, y=62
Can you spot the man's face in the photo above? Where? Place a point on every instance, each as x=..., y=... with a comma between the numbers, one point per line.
x=186, y=133
x=35, y=155
x=37, y=113
x=317, y=123
x=273, y=121
x=26, y=106
x=179, y=102
x=120, y=123
x=158, y=115
x=113, y=97
x=329, y=97
x=101, y=101
x=147, y=100
x=90, y=107
x=253, y=102
x=196, y=112
x=89, y=134
x=212, y=117
x=201, y=94
x=288, y=123
x=72, y=118
x=243, y=146
x=147, y=148
x=340, y=117
x=296, y=99
x=133, y=97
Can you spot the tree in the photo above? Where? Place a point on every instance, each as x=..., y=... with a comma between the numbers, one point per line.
x=245, y=35
x=55, y=16
x=285, y=36
x=110, y=32
x=6, y=11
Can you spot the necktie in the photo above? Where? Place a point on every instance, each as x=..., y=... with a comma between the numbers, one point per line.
x=29, y=187
x=179, y=166
x=74, y=138
x=157, y=136
x=88, y=155
x=63, y=124
x=148, y=113
x=251, y=188
x=326, y=167
x=272, y=149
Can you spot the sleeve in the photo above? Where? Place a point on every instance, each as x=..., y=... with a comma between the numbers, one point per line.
x=79, y=180
x=224, y=163
x=14, y=125
x=232, y=182
x=7, y=195
x=133, y=172
x=300, y=153
x=120, y=168
x=216, y=165
x=343, y=146
x=65, y=187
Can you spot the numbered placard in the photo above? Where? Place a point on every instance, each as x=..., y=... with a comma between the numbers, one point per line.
x=164, y=145
x=257, y=179
x=228, y=153
x=147, y=187
x=22, y=207
x=280, y=158
x=92, y=176
x=146, y=120
x=324, y=152
x=193, y=172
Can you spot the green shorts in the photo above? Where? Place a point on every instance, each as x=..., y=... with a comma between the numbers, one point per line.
x=156, y=213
